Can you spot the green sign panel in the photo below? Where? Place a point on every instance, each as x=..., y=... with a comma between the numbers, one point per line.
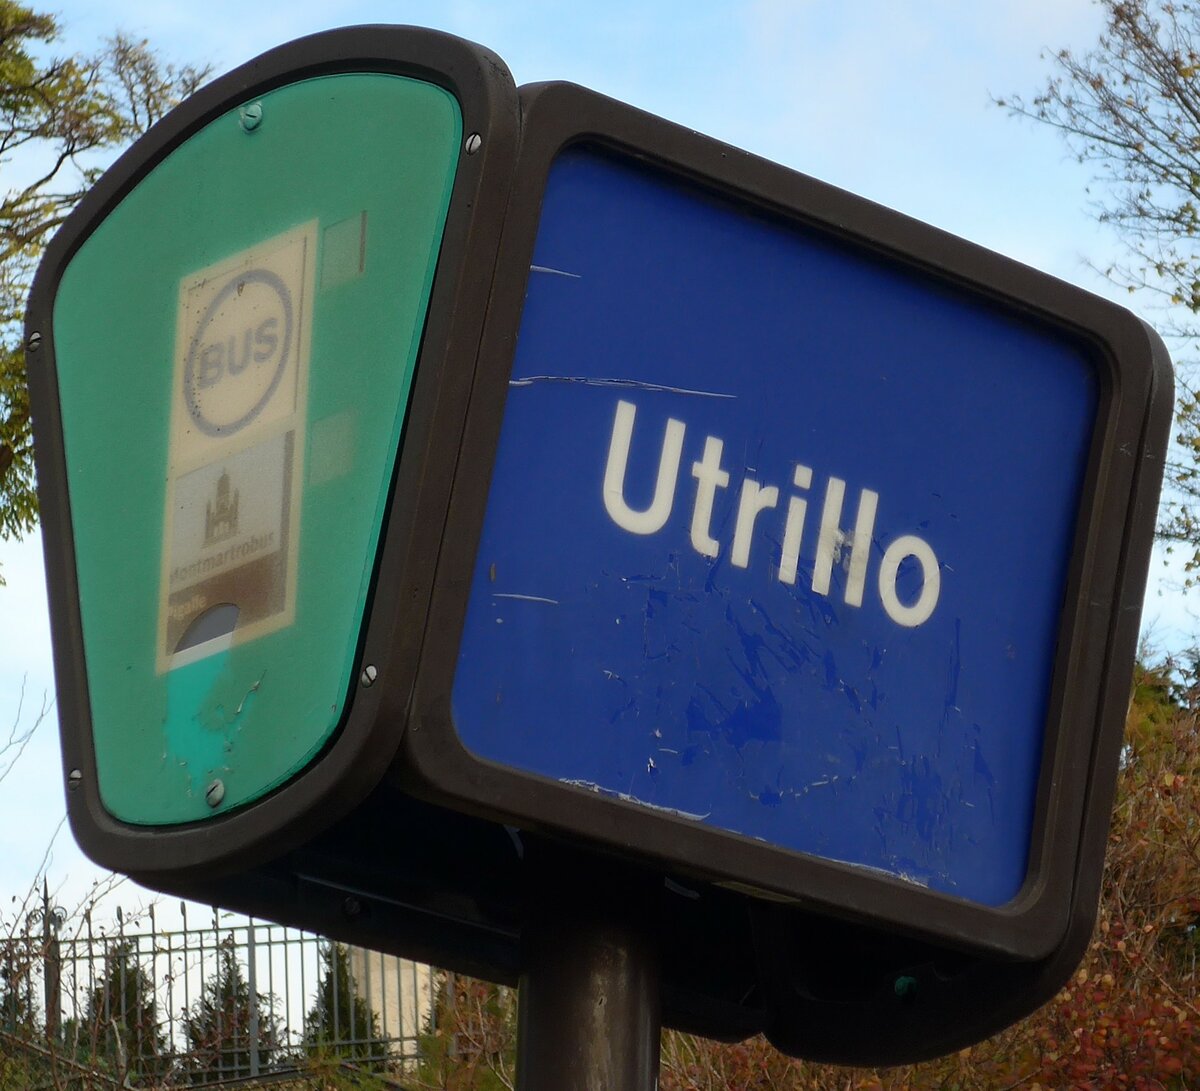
x=235, y=347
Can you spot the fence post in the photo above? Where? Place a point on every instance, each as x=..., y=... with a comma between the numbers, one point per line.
x=116, y=1024
x=93, y=1029
x=252, y=984
x=51, y=966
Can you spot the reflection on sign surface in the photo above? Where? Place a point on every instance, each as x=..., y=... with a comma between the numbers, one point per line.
x=237, y=421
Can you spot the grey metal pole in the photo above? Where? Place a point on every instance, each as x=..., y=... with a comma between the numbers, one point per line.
x=589, y=1009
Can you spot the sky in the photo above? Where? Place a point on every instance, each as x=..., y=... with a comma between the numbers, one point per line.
x=890, y=101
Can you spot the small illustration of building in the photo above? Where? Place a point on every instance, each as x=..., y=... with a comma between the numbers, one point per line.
x=221, y=513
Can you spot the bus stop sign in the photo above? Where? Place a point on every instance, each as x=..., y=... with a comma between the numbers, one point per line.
x=799, y=539
x=457, y=479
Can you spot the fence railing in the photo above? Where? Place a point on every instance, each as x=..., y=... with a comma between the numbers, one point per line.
x=208, y=1001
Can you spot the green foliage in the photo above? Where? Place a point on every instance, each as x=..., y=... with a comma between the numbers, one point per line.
x=320, y=1073
x=341, y=1026
x=470, y=1043
x=1153, y=707
x=58, y=119
x=16, y=1000
x=23, y=1068
x=219, y=1026
x=18, y=502
x=121, y=1027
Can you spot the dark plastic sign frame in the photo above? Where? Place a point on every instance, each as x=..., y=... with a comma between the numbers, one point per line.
x=1106, y=577
x=811, y=964
x=365, y=741
x=731, y=966
x=403, y=723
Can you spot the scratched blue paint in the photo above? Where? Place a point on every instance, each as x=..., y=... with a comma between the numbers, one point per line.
x=637, y=666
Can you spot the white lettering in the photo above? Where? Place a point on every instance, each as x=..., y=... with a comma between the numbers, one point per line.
x=709, y=477
x=793, y=530
x=754, y=499
x=860, y=546
x=832, y=538
x=889, y=568
x=829, y=537
x=655, y=517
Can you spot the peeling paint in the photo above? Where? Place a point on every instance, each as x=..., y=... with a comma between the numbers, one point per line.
x=903, y=876
x=249, y=693
x=555, y=272
x=626, y=797
x=524, y=598
x=624, y=384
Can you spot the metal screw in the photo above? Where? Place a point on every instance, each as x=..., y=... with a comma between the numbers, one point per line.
x=74, y=779
x=369, y=674
x=474, y=143
x=34, y=343
x=352, y=906
x=251, y=116
x=215, y=793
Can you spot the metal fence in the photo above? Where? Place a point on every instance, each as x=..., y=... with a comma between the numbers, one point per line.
x=208, y=1001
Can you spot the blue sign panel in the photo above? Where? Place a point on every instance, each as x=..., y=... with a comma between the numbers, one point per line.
x=777, y=535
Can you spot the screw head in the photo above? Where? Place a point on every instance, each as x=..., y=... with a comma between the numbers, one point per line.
x=74, y=779
x=352, y=907
x=473, y=144
x=369, y=674
x=215, y=793
x=250, y=116
x=34, y=343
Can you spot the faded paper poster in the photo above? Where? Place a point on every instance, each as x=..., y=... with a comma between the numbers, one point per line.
x=237, y=431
